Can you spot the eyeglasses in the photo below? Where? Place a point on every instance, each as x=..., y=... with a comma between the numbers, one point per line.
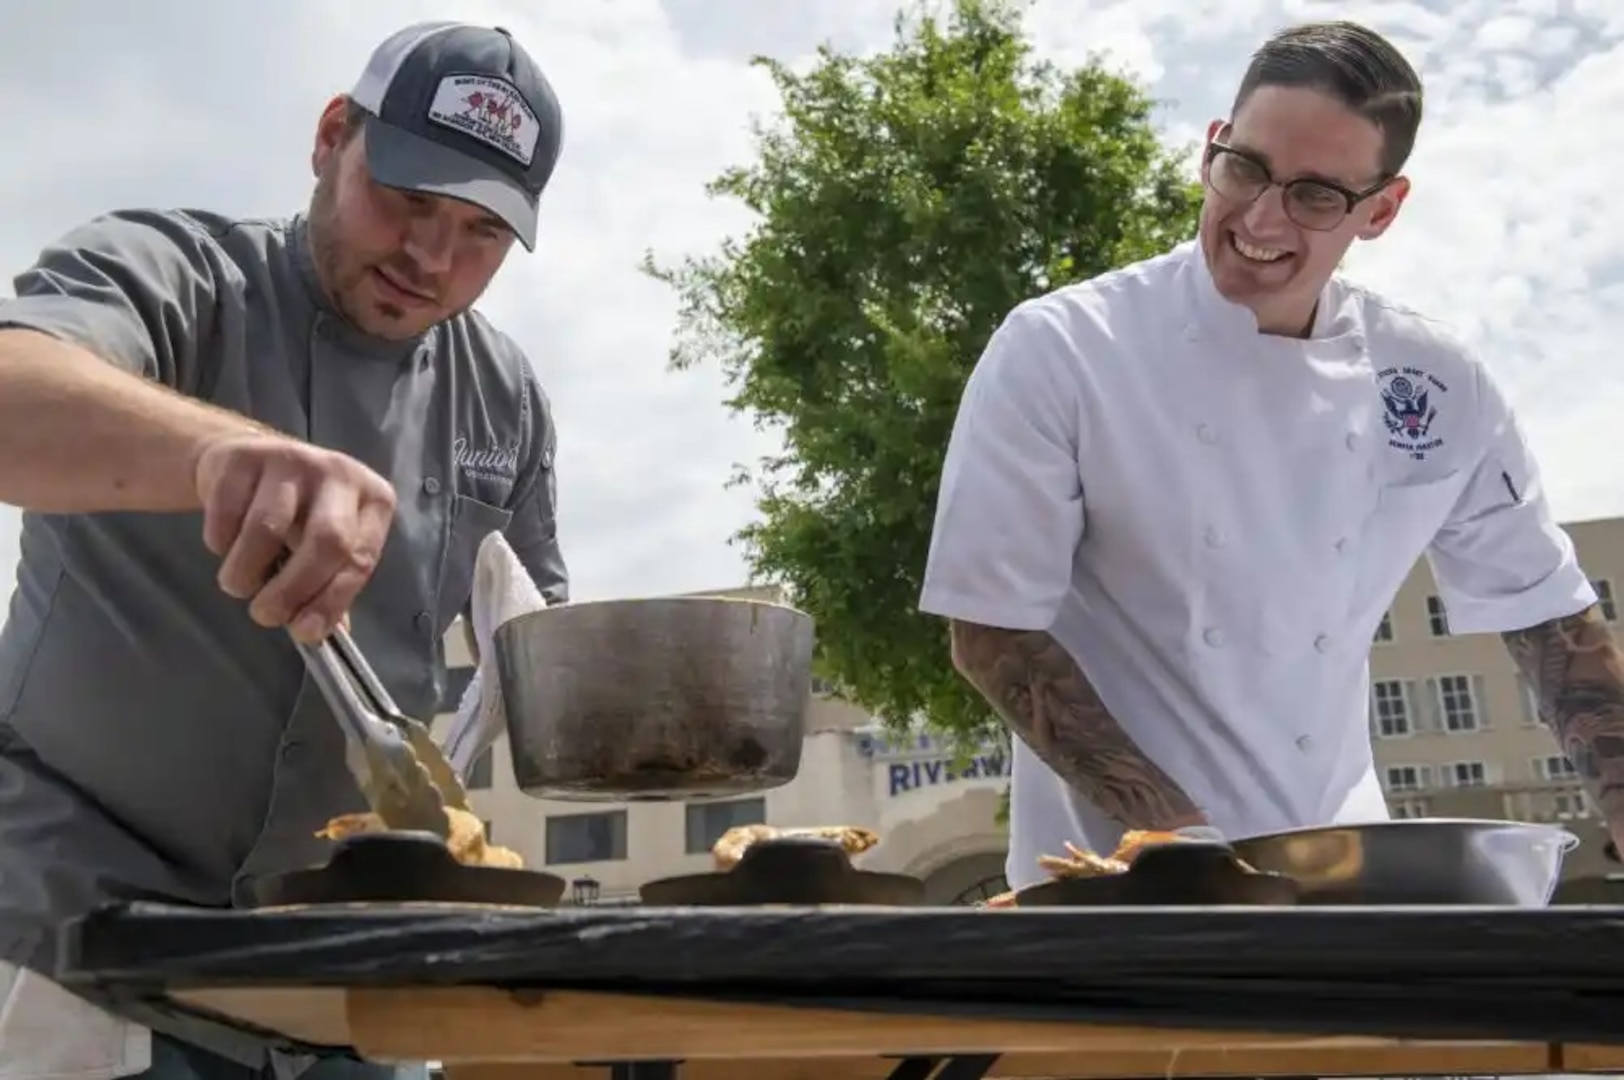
x=1318, y=205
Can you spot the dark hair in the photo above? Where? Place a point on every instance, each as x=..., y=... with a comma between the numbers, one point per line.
x=1353, y=64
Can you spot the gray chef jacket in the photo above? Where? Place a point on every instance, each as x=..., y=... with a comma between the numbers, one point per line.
x=154, y=741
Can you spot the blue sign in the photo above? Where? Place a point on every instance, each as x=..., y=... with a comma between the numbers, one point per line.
x=884, y=745
x=905, y=776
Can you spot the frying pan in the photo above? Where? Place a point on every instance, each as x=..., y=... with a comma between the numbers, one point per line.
x=1417, y=861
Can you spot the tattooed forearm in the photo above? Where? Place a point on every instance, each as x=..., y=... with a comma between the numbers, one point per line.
x=1577, y=672
x=1045, y=699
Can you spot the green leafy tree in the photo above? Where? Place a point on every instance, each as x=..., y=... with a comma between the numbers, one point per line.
x=904, y=203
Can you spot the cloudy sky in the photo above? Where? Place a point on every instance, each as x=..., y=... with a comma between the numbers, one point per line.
x=1511, y=232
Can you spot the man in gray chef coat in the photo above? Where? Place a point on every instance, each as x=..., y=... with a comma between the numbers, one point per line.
x=185, y=399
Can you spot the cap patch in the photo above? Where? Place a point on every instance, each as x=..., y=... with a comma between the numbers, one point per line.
x=490, y=110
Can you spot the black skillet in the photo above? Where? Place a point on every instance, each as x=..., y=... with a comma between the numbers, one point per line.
x=1183, y=874
x=402, y=868
x=796, y=870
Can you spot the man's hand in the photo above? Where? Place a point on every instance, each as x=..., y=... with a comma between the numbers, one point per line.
x=267, y=498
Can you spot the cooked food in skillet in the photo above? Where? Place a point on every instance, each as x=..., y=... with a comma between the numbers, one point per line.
x=1077, y=863
x=467, y=840
x=730, y=848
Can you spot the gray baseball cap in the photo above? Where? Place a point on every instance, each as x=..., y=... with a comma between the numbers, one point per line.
x=463, y=111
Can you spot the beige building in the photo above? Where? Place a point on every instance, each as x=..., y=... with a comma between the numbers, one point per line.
x=1454, y=731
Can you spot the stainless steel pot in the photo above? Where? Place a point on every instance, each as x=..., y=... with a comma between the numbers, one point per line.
x=1418, y=861
x=678, y=697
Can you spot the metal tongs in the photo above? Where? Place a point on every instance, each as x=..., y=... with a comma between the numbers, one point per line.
x=400, y=769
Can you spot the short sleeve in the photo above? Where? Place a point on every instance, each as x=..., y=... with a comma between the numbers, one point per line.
x=1500, y=561
x=1009, y=514
x=136, y=288
x=533, y=531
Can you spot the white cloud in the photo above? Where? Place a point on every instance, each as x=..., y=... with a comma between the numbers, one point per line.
x=1512, y=232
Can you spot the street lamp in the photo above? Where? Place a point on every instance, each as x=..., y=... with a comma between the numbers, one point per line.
x=584, y=890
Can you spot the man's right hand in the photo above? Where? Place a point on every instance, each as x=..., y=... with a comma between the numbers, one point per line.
x=299, y=529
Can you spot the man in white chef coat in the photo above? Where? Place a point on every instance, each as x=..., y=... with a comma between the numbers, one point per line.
x=1180, y=496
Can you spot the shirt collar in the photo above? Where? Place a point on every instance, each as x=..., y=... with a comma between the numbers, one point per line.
x=1338, y=331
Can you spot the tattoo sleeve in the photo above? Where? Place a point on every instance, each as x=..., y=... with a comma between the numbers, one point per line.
x=1039, y=691
x=1577, y=673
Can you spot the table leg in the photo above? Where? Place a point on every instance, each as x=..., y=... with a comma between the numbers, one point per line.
x=914, y=1068
x=644, y=1070
x=957, y=1067
x=967, y=1067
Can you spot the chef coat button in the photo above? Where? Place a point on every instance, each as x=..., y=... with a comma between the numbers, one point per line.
x=1214, y=637
x=1342, y=546
x=1304, y=743
x=1206, y=434
x=431, y=485
x=424, y=622
x=1214, y=538
x=1322, y=643
x=1352, y=440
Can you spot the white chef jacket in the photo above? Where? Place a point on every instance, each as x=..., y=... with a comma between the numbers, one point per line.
x=1212, y=522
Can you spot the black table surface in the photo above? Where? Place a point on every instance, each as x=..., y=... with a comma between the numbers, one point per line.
x=1550, y=975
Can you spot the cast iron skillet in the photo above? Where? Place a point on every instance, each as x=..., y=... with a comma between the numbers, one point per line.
x=404, y=867
x=1187, y=873
x=787, y=870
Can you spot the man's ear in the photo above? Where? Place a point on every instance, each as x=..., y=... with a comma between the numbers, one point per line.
x=331, y=130
x=1385, y=206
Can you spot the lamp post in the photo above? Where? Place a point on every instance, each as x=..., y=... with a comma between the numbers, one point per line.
x=584, y=891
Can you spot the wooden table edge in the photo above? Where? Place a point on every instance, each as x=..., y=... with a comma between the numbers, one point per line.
x=480, y=1029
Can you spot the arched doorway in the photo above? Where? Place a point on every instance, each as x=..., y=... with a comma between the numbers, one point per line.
x=985, y=889
x=968, y=879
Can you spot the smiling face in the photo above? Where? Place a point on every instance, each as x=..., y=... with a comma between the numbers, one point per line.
x=393, y=262
x=1261, y=253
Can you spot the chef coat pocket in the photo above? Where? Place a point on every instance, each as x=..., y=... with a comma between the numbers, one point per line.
x=471, y=521
x=1401, y=525
x=1417, y=510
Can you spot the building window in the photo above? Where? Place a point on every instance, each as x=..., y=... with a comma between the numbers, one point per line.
x=584, y=838
x=1464, y=774
x=479, y=773
x=1390, y=708
x=1530, y=702
x=708, y=821
x=1401, y=778
x=1456, y=703
x=1555, y=767
x=1409, y=808
x=1384, y=629
x=1604, y=599
x=1437, y=619
x=1568, y=805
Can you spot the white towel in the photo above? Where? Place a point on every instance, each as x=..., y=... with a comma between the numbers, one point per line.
x=503, y=590
x=47, y=1033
